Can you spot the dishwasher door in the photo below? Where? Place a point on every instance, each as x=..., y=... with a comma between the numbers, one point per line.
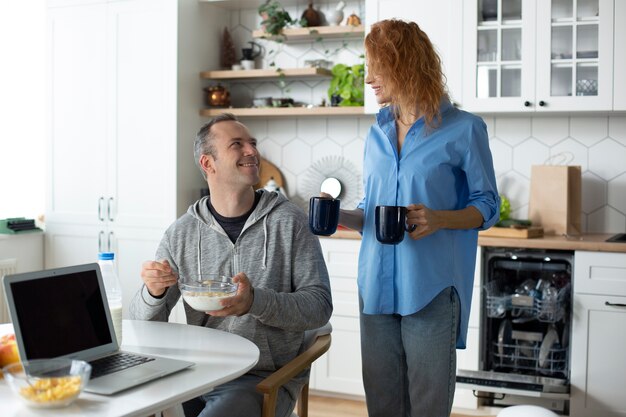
x=524, y=328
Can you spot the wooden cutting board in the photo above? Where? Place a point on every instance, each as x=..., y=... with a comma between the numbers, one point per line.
x=267, y=170
x=527, y=233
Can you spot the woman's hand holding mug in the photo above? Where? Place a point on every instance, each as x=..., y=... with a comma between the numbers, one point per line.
x=424, y=220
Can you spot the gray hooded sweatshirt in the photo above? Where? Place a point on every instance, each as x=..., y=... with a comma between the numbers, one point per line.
x=281, y=258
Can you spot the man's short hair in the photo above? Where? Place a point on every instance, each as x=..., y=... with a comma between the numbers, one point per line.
x=204, y=143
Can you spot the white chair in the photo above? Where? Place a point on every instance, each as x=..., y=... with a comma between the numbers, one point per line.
x=316, y=343
x=526, y=411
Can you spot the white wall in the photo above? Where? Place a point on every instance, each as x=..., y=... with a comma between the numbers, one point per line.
x=22, y=92
x=598, y=143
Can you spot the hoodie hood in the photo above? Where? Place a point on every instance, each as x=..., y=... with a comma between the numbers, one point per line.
x=200, y=211
x=269, y=200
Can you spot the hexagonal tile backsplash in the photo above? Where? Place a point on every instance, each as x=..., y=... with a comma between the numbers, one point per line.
x=596, y=143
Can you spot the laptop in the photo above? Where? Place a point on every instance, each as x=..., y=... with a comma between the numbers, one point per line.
x=63, y=312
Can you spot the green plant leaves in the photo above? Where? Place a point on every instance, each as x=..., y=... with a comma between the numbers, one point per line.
x=348, y=83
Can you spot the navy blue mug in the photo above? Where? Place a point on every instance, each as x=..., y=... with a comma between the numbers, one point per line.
x=391, y=224
x=323, y=215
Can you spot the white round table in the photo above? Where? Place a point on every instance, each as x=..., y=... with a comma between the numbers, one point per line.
x=218, y=356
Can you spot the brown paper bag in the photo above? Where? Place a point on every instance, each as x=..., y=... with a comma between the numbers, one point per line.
x=555, y=199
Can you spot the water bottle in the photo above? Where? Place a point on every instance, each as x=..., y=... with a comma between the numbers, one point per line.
x=106, y=260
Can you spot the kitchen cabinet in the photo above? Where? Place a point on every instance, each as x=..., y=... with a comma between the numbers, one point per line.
x=598, y=362
x=441, y=21
x=339, y=370
x=536, y=56
x=468, y=358
x=123, y=94
x=619, y=39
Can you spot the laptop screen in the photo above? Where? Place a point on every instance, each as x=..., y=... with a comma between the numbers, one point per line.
x=60, y=315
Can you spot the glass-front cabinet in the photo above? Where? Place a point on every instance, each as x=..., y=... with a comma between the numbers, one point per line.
x=544, y=55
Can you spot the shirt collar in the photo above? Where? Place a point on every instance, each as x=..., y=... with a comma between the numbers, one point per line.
x=385, y=116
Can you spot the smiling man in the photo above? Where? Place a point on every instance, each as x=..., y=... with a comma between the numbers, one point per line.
x=261, y=240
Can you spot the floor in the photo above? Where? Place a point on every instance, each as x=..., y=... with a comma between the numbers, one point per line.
x=336, y=407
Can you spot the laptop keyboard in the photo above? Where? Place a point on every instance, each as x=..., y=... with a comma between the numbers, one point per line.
x=115, y=363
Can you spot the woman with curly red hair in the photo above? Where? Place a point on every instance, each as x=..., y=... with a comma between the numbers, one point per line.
x=415, y=296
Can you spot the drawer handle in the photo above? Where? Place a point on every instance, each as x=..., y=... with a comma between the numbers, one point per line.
x=489, y=396
x=606, y=303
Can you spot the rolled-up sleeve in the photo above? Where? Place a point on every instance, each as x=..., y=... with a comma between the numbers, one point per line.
x=481, y=178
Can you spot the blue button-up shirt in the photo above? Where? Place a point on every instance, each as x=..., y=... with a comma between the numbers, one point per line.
x=448, y=168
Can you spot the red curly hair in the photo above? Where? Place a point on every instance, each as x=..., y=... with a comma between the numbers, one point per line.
x=402, y=54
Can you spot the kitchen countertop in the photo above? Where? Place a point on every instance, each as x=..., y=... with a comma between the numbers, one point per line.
x=587, y=241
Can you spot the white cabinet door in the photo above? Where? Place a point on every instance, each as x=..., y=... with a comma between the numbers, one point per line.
x=133, y=246
x=339, y=370
x=598, y=362
x=142, y=112
x=77, y=129
x=538, y=55
x=619, y=74
x=440, y=20
x=468, y=359
x=601, y=273
x=499, y=56
x=72, y=244
x=574, y=55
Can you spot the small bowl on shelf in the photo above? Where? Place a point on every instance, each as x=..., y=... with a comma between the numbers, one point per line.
x=48, y=383
x=206, y=294
x=262, y=102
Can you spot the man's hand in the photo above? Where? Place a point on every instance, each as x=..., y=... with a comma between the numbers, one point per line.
x=157, y=276
x=426, y=220
x=241, y=303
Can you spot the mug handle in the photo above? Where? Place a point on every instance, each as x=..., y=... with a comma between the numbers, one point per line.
x=410, y=228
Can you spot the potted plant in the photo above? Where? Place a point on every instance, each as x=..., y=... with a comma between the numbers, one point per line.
x=347, y=84
x=275, y=17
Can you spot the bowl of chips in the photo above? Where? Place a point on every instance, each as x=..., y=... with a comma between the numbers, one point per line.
x=48, y=383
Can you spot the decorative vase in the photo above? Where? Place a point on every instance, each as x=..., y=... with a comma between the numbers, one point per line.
x=312, y=16
x=336, y=16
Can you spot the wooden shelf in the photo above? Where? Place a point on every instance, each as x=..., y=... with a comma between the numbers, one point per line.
x=285, y=111
x=245, y=4
x=256, y=74
x=313, y=33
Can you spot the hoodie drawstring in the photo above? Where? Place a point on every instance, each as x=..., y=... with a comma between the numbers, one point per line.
x=199, y=251
x=265, y=242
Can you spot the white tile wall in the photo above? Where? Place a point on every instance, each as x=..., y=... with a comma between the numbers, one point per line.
x=596, y=143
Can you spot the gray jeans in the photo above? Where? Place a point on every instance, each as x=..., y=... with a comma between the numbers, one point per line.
x=409, y=362
x=237, y=398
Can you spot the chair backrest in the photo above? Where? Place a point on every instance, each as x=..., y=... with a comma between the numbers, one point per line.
x=316, y=342
x=311, y=335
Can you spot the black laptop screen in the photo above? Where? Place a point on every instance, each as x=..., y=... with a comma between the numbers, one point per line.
x=61, y=315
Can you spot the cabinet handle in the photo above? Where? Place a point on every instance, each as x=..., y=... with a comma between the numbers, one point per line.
x=491, y=396
x=527, y=103
x=100, y=235
x=100, y=201
x=542, y=103
x=606, y=303
x=109, y=245
x=109, y=209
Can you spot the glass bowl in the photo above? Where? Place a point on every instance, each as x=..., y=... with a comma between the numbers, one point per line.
x=48, y=383
x=205, y=295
